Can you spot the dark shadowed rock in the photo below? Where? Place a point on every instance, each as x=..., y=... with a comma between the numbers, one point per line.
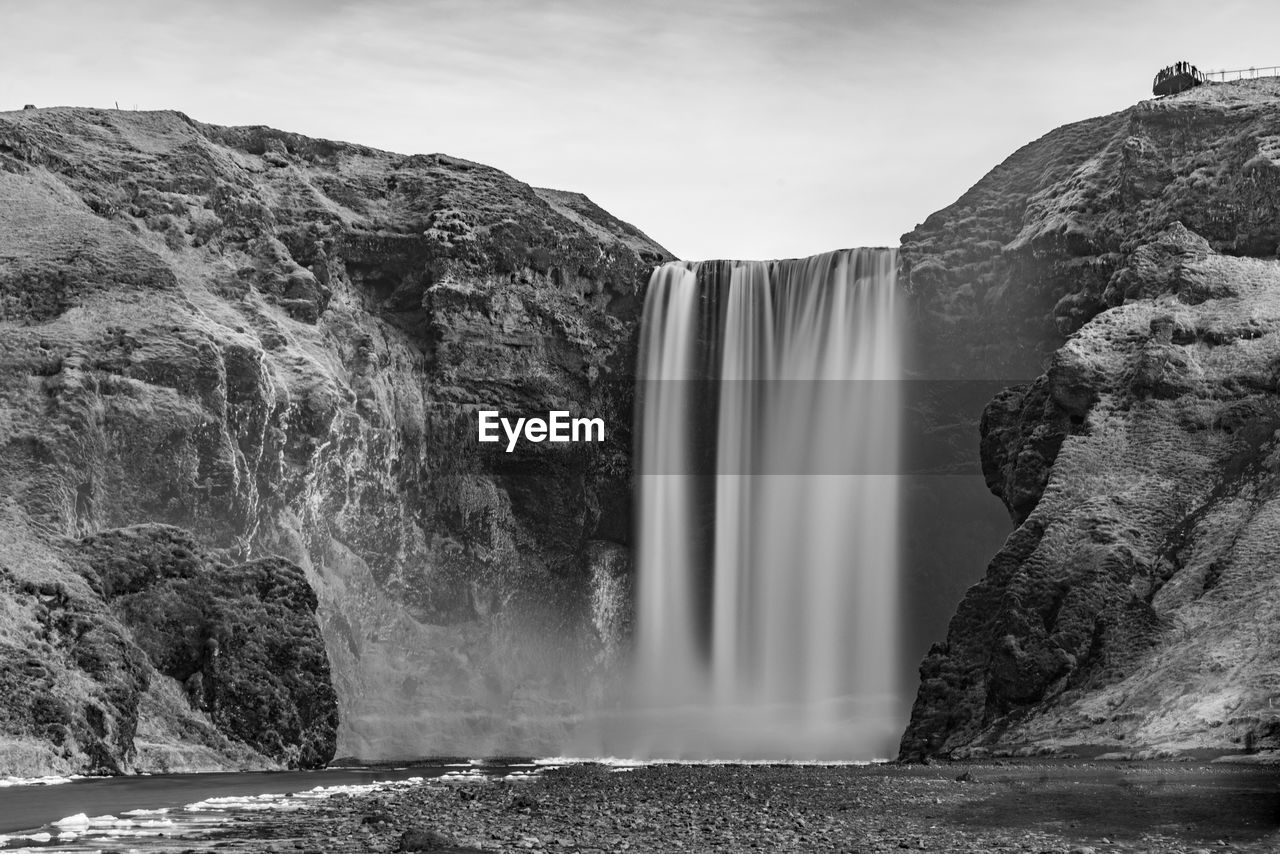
x=123, y=672
x=179, y=662
x=431, y=840
x=246, y=634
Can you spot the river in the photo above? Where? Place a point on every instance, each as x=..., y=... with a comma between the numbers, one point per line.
x=134, y=810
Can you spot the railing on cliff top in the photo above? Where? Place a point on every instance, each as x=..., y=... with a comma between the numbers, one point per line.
x=1182, y=76
x=1242, y=73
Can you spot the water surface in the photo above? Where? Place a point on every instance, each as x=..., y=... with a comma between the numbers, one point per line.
x=147, y=805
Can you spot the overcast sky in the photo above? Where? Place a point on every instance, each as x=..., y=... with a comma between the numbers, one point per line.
x=722, y=128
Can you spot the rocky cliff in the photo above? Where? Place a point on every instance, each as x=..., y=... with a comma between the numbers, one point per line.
x=157, y=655
x=1125, y=266
x=276, y=345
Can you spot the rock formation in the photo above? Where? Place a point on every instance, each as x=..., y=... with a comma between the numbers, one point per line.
x=99, y=684
x=1127, y=267
x=276, y=345
x=234, y=358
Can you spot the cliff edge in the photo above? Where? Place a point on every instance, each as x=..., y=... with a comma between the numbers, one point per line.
x=1127, y=267
x=268, y=350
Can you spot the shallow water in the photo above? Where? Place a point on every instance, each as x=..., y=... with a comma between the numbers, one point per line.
x=1200, y=803
x=84, y=814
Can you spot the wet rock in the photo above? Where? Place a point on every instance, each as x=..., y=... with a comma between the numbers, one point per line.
x=426, y=840
x=377, y=816
x=523, y=801
x=1035, y=808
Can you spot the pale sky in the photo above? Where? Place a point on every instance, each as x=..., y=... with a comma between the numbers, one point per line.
x=722, y=128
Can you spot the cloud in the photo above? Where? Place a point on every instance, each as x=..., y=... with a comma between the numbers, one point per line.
x=748, y=128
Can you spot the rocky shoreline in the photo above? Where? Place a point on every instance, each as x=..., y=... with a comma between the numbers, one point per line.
x=1060, y=807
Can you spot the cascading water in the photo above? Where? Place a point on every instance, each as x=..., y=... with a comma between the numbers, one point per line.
x=666, y=651
x=767, y=600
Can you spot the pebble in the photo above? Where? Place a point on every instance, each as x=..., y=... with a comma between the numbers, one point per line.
x=718, y=810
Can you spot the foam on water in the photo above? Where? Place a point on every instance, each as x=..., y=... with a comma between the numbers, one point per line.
x=81, y=832
x=49, y=780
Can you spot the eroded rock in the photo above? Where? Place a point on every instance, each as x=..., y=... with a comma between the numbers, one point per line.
x=1132, y=607
x=277, y=344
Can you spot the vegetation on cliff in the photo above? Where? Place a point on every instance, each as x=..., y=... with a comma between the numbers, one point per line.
x=1134, y=608
x=242, y=640
x=276, y=344
x=155, y=655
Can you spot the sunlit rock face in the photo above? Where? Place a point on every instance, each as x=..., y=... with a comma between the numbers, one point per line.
x=1127, y=267
x=278, y=344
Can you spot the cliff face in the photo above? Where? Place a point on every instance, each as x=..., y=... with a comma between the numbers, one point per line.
x=232, y=359
x=1134, y=608
x=277, y=344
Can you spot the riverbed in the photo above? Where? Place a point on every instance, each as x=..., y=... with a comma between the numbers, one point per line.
x=1058, y=807
x=148, y=812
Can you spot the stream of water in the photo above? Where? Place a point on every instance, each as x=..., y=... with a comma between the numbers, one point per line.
x=768, y=510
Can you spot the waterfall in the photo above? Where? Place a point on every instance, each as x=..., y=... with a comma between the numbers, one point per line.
x=767, y=524
x=665, y=636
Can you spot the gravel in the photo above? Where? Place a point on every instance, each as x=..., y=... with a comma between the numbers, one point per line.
x=1047, y=809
